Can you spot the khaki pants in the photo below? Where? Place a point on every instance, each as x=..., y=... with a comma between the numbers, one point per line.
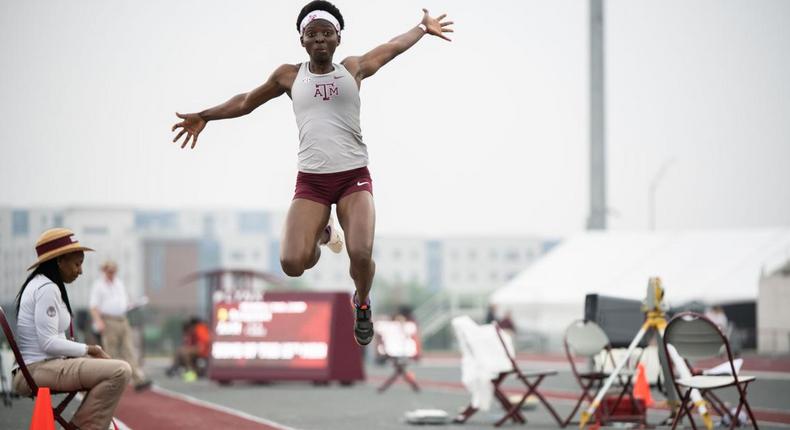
x=104, y=381
x=116, y=339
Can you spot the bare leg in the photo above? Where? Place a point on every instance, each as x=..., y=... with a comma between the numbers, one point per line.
x=304, y=227
x=357, y=216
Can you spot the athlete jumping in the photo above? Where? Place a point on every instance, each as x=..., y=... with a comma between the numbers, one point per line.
x=333, y=158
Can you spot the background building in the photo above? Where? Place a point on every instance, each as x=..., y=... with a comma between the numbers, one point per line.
x=157, y=249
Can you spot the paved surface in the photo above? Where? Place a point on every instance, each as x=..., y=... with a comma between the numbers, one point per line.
x=309, y=407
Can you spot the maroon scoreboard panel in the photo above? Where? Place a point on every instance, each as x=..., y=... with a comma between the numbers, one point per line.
x=285, y=336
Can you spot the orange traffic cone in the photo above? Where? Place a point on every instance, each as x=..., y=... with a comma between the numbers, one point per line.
x=641, y=387
x=42, y=411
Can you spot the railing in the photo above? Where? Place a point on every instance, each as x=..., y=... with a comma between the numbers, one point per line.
x=435, y=313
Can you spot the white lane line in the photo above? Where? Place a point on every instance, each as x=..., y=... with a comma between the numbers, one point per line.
x=220, y=408
x=121, y=425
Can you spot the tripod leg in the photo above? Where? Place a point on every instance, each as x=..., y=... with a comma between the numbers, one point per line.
x=587, y=414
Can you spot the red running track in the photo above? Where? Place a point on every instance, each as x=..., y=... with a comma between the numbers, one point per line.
x=769, y=415
x=156, y=408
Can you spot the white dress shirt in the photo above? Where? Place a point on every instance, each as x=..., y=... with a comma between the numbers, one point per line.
x=109, y=297
x=42, y=323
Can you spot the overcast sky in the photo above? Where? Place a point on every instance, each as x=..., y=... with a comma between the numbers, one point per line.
x=484, y=135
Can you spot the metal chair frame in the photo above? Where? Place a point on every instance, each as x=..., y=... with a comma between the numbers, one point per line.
x=531, y=381
x=740, y=384
x=57, y=411
x=399, y=370
x=591, y=382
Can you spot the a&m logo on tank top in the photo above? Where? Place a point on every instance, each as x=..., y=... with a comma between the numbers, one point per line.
x=326, y=91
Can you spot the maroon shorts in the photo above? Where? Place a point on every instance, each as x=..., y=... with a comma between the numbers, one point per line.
x=329, y=188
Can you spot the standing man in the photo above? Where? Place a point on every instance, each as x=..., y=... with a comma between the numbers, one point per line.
x=109, y=303
x=333, y=158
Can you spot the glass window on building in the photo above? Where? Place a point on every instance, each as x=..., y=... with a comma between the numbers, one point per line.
x=493, y=254
x=237, y=256
x=156, y=271
x=254, y=222
x=145, y=220
x=512, y=255
x=208, y=225
x=20, y=222
x=274, y=257
x=435, y=266
x=95, y=230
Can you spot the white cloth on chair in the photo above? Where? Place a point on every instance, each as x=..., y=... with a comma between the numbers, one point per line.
x=482, y=358
x=398, y=338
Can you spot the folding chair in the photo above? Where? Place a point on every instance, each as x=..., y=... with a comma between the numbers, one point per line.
x=492, y=350
x=56, y=411
x=695, y=337
x=480, y=370
x=587, y=339
x=530, y=379
x=399, y=344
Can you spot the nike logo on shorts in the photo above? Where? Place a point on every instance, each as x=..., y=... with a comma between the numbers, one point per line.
x=359, y=184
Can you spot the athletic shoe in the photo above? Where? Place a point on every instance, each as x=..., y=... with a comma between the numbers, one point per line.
x=335, y=243
x=189, y=376
x=363, y=326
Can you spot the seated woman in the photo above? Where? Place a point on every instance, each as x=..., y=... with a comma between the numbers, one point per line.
x=43, y=316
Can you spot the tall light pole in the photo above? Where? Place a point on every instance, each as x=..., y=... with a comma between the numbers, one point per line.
x=597, y=217
x=651, y=191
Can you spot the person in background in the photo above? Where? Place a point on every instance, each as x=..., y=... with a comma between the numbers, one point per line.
x=196, y=346
x=44, y=315
x=109, y=303
x=490, y=314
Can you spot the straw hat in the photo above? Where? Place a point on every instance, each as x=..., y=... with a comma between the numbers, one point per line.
x=54, y=243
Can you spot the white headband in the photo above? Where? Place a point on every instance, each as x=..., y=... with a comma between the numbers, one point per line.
x=319, y=14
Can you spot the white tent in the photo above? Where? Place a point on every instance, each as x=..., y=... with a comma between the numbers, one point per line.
x=709, y=266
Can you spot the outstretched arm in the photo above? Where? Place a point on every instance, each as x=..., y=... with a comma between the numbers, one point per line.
x=241, y=104
x=367, y=65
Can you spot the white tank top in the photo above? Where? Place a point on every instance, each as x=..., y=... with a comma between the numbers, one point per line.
x=327, y=114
